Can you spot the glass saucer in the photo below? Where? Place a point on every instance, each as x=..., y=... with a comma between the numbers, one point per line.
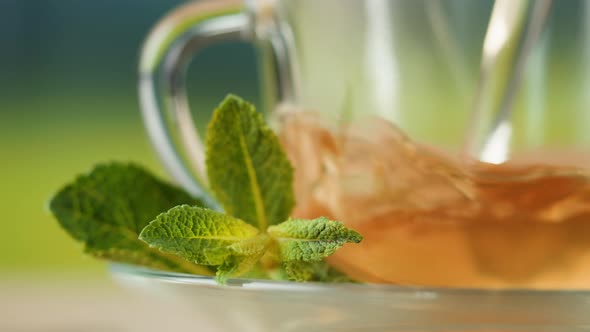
x=261, y=305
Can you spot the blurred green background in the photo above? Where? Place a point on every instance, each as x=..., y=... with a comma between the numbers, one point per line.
x=68, y=100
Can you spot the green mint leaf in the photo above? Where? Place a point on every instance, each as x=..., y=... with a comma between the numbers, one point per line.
x=107, y=208
x=310, y=240
x=312, y=271
x=248, y=171
x=207, y=237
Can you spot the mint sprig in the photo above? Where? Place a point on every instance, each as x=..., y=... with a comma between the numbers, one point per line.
x=251, y=177
x=124, y=214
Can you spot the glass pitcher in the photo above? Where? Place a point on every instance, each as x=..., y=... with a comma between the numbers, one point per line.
x=415, y=107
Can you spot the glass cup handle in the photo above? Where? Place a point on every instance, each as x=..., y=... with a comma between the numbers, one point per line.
x=164, y=59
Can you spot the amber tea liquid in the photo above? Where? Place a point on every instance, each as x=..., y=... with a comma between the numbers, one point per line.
x=430, y=218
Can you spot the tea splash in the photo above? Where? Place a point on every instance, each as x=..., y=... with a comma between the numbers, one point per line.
x=430, y=218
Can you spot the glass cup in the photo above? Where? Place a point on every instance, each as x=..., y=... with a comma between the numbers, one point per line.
x=450, y=133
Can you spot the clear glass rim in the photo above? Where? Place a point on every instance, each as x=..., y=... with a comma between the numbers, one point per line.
x=269, y=285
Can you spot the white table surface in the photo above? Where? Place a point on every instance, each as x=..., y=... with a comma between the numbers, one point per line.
x=33, y=305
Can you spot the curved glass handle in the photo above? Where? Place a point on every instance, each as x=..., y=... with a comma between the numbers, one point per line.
x=164, y=60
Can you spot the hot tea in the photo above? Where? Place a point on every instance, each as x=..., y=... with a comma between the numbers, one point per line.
x=430, y=217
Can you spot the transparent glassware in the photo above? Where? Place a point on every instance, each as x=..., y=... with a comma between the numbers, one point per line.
x=416, y=64
x=195, y=303
x=466, y=81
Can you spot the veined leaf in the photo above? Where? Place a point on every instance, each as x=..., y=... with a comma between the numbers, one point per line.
x=205, y=237
x=107, y=208
x=311, y=240
x=248, y=171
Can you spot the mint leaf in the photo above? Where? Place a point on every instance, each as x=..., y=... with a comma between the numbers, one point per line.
x=310, y=240
x=207, y=237
x=248, y=171
x=313, y=271
x=107, y=208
